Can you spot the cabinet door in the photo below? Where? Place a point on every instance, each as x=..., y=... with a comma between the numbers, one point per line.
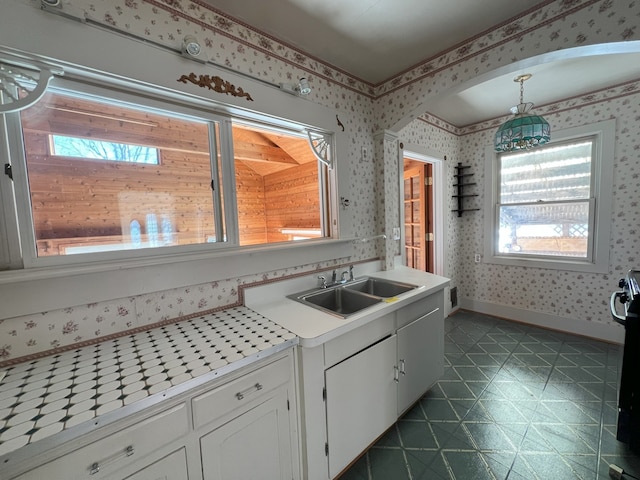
x=420, y=357
x=361, y=402
x=171, y=467
x=253, y=446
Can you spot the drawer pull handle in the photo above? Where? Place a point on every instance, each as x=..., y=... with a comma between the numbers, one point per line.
x=256, y=388
x=95, y=467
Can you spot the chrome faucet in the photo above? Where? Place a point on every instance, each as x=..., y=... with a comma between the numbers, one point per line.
x=345, y=276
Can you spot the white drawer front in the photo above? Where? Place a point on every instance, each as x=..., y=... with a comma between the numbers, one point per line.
x=171, y=467
x=228, y=397
x=415, y=310
x=103, y=457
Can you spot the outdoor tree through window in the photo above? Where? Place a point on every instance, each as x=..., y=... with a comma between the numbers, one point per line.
x=89, y=148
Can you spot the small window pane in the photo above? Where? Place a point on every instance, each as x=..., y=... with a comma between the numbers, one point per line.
x=408, y=210
x=407, y=189
x=559, y=229
x=83, y=205
x=90, y=148
x=547, y=174
x=278, y=186
x=417, y=236
x=415, y=187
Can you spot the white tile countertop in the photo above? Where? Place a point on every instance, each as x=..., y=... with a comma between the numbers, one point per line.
x=314, y=327
x=115, y=378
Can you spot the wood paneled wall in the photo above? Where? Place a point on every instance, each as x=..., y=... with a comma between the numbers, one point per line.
x=78, y=201
x=293, y=200
x=252, y=227
x=286, y=199
x=73, y=198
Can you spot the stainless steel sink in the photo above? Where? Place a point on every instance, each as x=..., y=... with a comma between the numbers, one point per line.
x=346, y=299
x=379, y=287
x=336, y=300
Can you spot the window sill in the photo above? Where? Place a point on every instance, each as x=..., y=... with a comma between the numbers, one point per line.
x=545, y=263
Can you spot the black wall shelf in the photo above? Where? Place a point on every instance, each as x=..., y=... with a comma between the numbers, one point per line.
x=462, y=183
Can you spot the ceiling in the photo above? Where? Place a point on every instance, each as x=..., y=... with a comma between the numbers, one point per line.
x=377, y=39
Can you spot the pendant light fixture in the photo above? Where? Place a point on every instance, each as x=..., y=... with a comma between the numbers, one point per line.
x=524, y=130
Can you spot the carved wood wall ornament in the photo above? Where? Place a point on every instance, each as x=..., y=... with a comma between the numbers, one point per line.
x=216, y=84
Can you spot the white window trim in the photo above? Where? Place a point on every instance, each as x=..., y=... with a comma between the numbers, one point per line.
x=598, y=261
x=440, y=220
x=28, y=255
x=10, y=255
x=25, y=291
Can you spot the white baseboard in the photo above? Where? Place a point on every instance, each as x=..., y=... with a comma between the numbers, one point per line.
x=607, y=332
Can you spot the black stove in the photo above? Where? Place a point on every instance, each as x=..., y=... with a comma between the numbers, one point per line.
x=628, y=430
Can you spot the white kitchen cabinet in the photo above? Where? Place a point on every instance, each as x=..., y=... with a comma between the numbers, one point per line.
x=361, y=402
x=171, y=467
x=255, y=445
x=373, y=374
x=246, y=426
x=240, y=426
x=420, y=357
x=131, y=449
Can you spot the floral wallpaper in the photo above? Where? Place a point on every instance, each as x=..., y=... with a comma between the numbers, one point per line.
x=445, y=139
x=563, y=294
x=391, y=105
x=553, y=26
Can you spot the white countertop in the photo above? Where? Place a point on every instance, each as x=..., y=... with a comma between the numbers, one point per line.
x=314, y=327
x=58, y=397
x=41, y=400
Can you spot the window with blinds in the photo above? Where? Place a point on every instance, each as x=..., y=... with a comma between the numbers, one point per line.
x=550, y=206
x=545, y=200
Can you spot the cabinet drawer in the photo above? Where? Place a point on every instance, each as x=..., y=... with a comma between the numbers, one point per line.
x=352, y=342
x=226, y=398
x=421, y=307
x=102, y=458
x=171, y=467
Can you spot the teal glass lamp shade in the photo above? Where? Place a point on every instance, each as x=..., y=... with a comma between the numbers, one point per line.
x=523, y=131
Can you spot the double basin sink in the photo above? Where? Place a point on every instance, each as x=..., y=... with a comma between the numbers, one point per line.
x=345, y=299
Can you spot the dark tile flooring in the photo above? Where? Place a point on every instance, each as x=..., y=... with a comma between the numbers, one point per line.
x=516, y=402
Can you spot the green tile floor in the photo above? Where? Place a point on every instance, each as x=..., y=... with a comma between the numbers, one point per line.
x=515, y=403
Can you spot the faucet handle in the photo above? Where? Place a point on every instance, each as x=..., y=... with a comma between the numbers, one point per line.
x=323, y=279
